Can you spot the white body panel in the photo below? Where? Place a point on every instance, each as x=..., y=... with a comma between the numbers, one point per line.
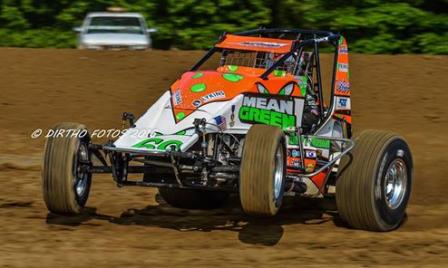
x=158, y=122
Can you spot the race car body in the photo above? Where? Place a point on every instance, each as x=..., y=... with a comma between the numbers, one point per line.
x=254, y=117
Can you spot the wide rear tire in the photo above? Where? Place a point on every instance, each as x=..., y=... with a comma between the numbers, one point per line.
x=263, y=170
x=65, y=187
x=374, y=182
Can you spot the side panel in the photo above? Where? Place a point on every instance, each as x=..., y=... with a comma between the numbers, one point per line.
x=341, y=111
x=158, y=130
x=342, y=91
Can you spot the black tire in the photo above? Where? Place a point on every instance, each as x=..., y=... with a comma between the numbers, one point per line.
x=65, y=188
x=264, y=148
x=362, y=198
x=193, y=198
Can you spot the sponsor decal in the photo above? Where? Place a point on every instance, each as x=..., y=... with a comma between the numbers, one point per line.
x=310, y=154
x=196, y=103
x=295, y=153
x=296, y=163
x=293, y=139
x=214, y=95
x=177, y=97
x=343, y=49
x=232, y=117
x=318, y=142
x=310, y=167
x=159, y=144
x=221, y=122
x=342, y=103
x=293, y=162
x=268, y=111
x=343, y=67
x=343, y=86
x=262, y=44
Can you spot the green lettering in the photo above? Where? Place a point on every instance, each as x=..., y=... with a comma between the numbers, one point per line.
x=320, y=143
x=276, y=119
x=265, y=117
x=147, y=143
x=254, y=114
x=244, y=113
x=167, y=144
x=288, y=121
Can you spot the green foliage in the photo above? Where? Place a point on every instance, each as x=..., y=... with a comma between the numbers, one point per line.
x=37, y=38
x=193, y=24
x=371, y=26
x=12, y=17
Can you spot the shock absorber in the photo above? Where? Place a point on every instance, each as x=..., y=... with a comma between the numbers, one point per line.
x=199, y=126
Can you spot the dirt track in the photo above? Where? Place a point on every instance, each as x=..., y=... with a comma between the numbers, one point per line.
x=127, y=227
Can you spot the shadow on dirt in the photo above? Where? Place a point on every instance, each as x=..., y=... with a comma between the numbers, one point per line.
x=76, y=220
x=251, y=230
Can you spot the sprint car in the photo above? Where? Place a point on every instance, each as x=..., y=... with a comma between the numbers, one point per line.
x=260, y=123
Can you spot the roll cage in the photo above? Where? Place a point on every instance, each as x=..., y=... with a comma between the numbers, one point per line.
x=166, y=166
x=299, y=39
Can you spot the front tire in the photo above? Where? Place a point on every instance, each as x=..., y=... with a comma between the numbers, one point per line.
x=374, y=182
x=65, y=186
x=263, y=170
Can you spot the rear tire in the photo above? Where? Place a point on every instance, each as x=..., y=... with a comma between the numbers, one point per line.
x=374, y=182
x=65, y=188
x=263, y=170
x=193, y=198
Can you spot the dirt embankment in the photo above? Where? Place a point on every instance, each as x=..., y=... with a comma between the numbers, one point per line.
x=126, y=226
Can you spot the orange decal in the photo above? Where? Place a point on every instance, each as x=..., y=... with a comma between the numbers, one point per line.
x=195, y=89
x=342, y=84
x=319, y=179
x=251, y=43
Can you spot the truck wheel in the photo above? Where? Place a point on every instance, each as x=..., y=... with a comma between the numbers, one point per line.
x=66, y=186
x=193, y=198
x=262, y=172
x=374, y=182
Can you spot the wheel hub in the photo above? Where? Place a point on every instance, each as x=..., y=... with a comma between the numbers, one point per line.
x=82, y=177
x=395, y=182
x=278, y=173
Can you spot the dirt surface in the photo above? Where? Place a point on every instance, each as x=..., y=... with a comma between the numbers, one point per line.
x=127, y=227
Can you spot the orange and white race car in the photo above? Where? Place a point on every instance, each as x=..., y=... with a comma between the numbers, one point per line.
x=258, y=121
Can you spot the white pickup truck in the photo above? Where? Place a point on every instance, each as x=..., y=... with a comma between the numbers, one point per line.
x=114, y=30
